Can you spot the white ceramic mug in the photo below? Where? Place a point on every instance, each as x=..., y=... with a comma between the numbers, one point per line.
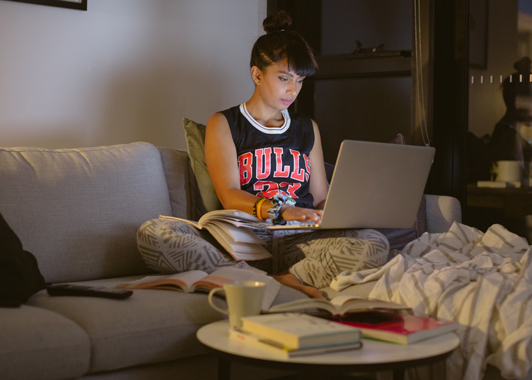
x=244, y=298
x=507, y=171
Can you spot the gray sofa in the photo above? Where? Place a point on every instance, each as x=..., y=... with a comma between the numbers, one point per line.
x=77, y=211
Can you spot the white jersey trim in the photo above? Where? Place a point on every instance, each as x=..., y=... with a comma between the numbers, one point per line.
x=262, y=128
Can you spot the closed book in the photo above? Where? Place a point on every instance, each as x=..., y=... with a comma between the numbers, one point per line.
x=299, y=330
x=397, y=328
x=284, y=352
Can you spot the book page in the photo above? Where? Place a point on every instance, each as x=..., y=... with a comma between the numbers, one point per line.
x=340, y=300
x=227, y=235
x=250, y=252
x=237, y=247
x=191, y=222
x=237, y=234
x=346, y=303
x=182, y=280
x=338, y=305
x=235, y=217
x=259, y=253
x=307, y=303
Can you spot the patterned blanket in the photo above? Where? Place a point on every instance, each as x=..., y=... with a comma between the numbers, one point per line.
x=481, y=280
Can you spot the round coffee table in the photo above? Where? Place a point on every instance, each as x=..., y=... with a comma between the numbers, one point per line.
x=373, y=356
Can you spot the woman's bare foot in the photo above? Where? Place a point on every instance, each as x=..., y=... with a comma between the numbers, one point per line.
x=291, y=281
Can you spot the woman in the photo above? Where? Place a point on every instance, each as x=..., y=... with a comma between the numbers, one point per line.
x=285, y=145
x=267, y=161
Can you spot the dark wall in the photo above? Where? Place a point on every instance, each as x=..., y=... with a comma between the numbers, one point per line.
x=369, y=108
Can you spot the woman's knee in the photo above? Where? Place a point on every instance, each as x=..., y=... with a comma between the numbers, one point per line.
x=172, y=246
x=378, y=244
x=370, y=247
x=355, y=250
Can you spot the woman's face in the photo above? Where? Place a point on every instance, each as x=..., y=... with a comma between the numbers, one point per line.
x=277, y=85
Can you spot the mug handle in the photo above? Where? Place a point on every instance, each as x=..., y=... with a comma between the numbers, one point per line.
x=211, y=293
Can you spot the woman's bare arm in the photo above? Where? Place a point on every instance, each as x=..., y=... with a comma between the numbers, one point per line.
x=221, y=158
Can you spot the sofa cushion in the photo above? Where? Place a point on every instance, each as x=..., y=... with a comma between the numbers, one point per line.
x=400, y=237
x=78, y=210
x=150, y=326
x=442, y=212
x=195, y=137
x=40, y=344
x=183, y=189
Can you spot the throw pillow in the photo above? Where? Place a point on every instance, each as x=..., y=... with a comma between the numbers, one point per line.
x=20, y=277
x=195, y=137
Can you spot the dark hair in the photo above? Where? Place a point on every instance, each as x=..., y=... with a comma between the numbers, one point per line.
x=280, y=42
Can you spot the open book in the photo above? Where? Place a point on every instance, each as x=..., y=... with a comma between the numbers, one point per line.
x=196, y=280
x=233, y=230
x=339, y=305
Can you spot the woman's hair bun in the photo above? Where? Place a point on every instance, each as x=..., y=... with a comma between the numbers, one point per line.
x=277, y=22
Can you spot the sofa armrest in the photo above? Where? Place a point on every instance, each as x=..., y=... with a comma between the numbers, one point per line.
x=442, y=211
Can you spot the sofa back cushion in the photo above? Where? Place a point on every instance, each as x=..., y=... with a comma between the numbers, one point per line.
x=185, y=196
x=78, y=210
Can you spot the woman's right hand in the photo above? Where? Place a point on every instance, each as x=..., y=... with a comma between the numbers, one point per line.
x=305, y=215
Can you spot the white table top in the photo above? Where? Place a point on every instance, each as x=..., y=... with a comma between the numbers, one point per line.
x=216, y=336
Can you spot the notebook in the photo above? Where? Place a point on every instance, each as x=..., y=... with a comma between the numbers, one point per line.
x=374, y=185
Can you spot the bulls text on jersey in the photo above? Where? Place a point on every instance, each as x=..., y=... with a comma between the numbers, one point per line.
x=269, y=164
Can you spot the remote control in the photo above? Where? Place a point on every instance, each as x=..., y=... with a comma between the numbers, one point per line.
x=87, y=291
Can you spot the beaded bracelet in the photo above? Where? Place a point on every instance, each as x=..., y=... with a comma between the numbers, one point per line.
x=278, y=201
x=255, y=207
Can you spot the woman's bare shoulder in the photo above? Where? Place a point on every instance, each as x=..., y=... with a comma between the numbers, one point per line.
x=217, y=120
x=218, y=129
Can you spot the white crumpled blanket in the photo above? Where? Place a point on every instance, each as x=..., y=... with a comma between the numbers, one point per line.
x=481, y=280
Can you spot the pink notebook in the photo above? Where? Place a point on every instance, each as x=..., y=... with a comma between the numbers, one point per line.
x=397, y=328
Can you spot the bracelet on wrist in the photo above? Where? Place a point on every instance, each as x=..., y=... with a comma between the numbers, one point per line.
x=257, y=208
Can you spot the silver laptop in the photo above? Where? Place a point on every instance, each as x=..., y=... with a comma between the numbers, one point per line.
x=374, y=185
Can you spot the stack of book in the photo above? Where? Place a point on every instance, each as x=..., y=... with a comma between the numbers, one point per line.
x=289, y=335
x=381, y=320
x=233, y=229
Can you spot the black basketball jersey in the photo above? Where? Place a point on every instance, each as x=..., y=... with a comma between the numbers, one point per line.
x=273, y=160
